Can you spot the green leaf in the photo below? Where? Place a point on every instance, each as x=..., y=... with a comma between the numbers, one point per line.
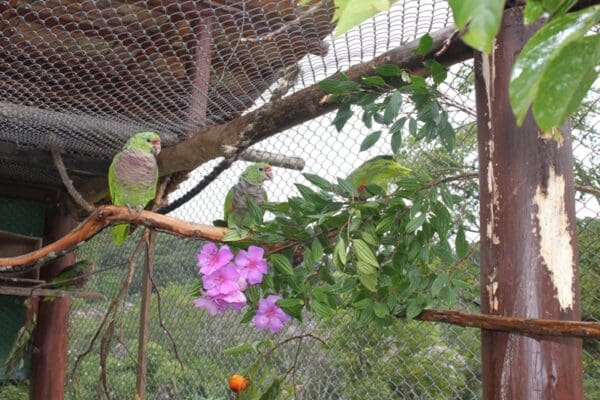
x=318, y=181
x=412, y=126
x=248, y=316
x=461, y=244
x=389, y=70
x=361, y=304
x=425, y=45
x=350, y=13
x=255, y=211
x=292, y=306
x=374, y=80
x=367, y=275
x=414, y=308
x=321, y=308
x=346, y=188
x=566, y=81
x=415, y=223
x=317, y=250
x=533, y=11
x=396, y=132
x=281, y=264
x=540, y=51
x=448, y=295
x=438, y=72
x=364, y=252
x=342, y=116
x=438, y=283
x=272, y=392
x=393, y=107
x=339, y=253
x=370, y=140
x=480, y=18
x=234, y=235
x=381, y=310
x=335, y=86
x=239, y=349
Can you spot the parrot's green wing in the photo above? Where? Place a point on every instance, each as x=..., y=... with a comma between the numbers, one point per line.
x=380, y=170
x=119, y=232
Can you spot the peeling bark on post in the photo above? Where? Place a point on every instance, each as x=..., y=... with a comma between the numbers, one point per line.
x=49, y=356
x=528, y=238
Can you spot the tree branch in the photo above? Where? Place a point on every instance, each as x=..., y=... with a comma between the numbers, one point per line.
x=101, y=218
x=64, y=176
x=28, y=292
x=528, y=326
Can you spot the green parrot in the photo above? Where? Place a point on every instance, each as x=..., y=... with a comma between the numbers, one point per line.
x=133, y=175
x=379, y=170
x=250, y=186
x=74, y=276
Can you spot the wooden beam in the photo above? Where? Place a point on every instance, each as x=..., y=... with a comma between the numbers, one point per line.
x=49, y=356
x=528, y=239
x=75, y=164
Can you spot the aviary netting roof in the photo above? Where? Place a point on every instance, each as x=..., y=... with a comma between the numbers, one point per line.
x=85, y=75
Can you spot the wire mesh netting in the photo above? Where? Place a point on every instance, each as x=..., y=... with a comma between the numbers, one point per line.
x=86, y=75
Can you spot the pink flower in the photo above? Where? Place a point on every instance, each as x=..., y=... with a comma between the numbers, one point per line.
x=269, y=315
x=252, y=265
x=212, y=305
x=222, y=281
x=211, y=258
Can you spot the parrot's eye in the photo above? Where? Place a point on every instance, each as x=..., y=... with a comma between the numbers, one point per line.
x=149, y=140
x=261, y=169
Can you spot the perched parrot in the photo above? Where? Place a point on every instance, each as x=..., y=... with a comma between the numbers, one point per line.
x=378, y=170
x=74, y=276
x=133, y=175
x=250, y=186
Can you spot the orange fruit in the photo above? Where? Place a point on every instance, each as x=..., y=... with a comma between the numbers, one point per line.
x=238, y=383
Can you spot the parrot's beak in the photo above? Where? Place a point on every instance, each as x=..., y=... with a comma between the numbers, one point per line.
x=156, y=147
x=269, y=173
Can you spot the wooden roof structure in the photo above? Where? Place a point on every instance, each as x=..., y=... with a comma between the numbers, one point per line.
x=85, y=75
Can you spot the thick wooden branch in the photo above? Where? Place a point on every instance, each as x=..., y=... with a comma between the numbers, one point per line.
x=302, y=106
x=100, y=219
x=528, y=326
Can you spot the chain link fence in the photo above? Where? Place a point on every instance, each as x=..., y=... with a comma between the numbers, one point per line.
x=408, y=360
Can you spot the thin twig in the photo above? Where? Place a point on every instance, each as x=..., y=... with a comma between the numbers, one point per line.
x=162, y=322
x=112, y=306
x=447, y=43
x=64, y=176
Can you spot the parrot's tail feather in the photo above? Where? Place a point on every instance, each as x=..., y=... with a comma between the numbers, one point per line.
x=119, y=233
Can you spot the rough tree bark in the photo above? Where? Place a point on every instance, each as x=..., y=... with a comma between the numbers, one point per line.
x=528, y=240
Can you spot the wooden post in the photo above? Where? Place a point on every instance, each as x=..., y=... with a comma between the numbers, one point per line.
x=528, y=238
x=145, y=316
x=49, y=356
